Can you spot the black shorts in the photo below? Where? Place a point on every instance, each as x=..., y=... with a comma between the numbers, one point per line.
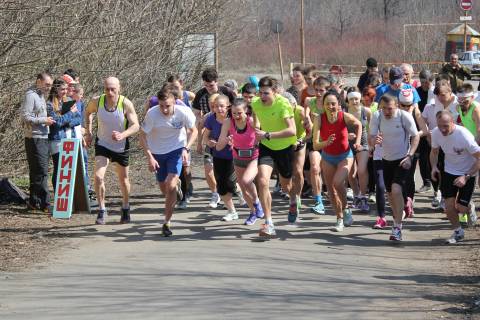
x=119, y=157
x=393, y=173
x=449, y=190
x=224, y=175
x=281, y=159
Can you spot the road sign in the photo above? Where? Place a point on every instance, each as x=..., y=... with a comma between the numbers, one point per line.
x=466, y=18
x=466, y=4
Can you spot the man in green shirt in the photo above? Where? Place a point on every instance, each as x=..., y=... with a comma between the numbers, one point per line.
x=275, y=130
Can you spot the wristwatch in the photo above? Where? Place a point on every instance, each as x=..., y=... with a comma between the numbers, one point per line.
x=186, y=149
x=267, y=135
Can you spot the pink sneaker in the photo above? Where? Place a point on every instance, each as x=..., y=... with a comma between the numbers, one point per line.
x=380, y=223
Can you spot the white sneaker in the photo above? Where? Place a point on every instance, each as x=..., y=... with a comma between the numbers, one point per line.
x=214, y=200
x=182, y=205
x=457, y=236
x=442, y=204
x=230, y=216
x=437, y=198
x=339, y=225
x=350, y=196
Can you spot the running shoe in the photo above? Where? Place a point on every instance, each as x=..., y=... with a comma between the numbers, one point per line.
x=267, y=230
x=125, y=218
x=166, y=230
x=252, y=218
x=306, y=191
x=457, y=236
x=259, y=210
x=241, y=200
x=463, y=219
x=372, y=198
x=442, y=204
x=349, y=194
x=179, y=190
x=425, y=188
x=472, y=216
x=363, y=205
x=396, y=234
x=380, y=223
x=182, y=205
x=299, y=203
x=356, y=202
x=436, y=200
x=339, y=225
x=102, y=215
x=214, y=200
x=318, y=208
x=292, y=213
x=409, y=208
x=347, y=217
x=230, y=216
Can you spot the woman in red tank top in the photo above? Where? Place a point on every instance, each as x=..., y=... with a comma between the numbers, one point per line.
x=330, y=135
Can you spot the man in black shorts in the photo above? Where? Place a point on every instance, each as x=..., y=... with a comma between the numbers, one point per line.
x=117, y=121
x=461, y=164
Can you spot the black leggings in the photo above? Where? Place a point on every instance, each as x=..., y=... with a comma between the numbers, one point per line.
x=380, y=187
x=409, y=190
x=424, y=161
x=55, y=158
x=225, y=176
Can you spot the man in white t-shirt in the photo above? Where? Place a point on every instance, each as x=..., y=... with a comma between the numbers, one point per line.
x=462, y=162
x=166, y=136
x=395, y=131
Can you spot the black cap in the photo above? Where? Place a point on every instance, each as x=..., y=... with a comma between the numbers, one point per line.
x=371, y=63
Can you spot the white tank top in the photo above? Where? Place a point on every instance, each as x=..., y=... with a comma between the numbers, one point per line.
x=109, y=121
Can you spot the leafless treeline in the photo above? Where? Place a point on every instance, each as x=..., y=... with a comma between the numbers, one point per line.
x=139, y=41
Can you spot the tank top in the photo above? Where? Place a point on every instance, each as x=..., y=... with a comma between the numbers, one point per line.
x=339, y=128
x=243, y=139
x=467, y=120
x=364, y=121
x=109, y=121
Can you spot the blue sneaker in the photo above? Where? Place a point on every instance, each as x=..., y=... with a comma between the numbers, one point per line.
x=292, y=213
x=347, y=217
x=252, y=218
x=259, y=210
x=318, y=208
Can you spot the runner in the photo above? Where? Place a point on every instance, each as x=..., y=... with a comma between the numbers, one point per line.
x=249, y=92
x=444, y=100
x=372, y=66
x=309, y=74
x=406, y=104
x=312, y=164
x=462, y=162
x=395, y=130
x=408, y=75
x=222, y=158
x=186, y=96
x=36, y=124
x=330, y=134
x=117, y=121
x=298, y=82
x=299, y=153
x=166, y=144
x=276, y=132
x=65, y=122
x=201, y=106
x=368, y=100
x=360, y=186
x=239, y=131
x=396, y=77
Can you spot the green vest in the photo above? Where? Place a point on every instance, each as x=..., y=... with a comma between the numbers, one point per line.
x=101, y=104
x=467, y=120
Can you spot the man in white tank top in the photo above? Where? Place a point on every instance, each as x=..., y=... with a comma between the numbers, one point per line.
x=117, y=120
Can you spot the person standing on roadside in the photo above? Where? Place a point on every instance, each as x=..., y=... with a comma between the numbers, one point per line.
x=117, y=121
x=455, y=72
x=36, y=128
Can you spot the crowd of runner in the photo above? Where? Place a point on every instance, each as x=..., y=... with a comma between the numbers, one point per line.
x=351, y=146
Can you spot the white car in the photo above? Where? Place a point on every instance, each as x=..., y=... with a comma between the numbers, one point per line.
x=471, y=60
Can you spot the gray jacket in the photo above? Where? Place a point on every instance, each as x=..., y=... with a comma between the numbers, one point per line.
x=34, y=114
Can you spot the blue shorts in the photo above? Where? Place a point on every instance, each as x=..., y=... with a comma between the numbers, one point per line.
x=335, y=160
x=169, y=163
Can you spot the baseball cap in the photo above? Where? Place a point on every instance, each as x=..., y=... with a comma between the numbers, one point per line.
x=395, y=75
x=406, y=96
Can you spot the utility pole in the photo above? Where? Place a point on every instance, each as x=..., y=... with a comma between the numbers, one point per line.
x=302, y=34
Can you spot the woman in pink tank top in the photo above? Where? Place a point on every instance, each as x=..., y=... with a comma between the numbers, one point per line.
x=330, y=135
x=239, y=132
